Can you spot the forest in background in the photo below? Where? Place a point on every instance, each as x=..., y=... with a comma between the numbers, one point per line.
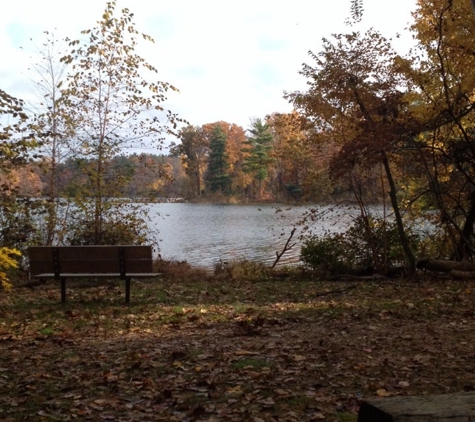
x=372, y=126
x=215, y=162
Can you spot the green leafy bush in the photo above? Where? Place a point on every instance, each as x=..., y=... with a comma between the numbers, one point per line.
x=367, y=245
x=325, y=254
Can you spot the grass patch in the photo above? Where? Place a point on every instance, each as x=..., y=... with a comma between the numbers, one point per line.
x=347, y=417
x=252, y=363
x=46, y=331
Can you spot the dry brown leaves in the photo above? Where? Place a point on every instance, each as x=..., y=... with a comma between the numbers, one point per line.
x=275, y=351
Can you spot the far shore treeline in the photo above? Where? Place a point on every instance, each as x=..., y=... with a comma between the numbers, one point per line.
x=246, y=170
x=372, y=126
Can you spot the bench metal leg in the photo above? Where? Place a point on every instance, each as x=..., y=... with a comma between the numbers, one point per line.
x=127, y=290
x=63, y=290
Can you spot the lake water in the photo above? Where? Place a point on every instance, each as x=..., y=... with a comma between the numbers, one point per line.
x=203, y=234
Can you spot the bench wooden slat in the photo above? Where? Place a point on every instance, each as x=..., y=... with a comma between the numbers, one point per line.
x=98, y=275
x=84, y=266
x=90, y=252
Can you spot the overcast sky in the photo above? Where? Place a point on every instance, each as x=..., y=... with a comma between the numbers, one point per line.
x=231, y=60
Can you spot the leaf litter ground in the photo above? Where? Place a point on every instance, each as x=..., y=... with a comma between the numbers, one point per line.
x=269, y=351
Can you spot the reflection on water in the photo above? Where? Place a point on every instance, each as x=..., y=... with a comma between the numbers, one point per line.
x=202, y=234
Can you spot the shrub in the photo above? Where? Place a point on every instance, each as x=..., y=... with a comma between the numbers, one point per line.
x=118, y=227
x=249, y=271
x=243, y=270
x=325, y=254
x=180, y=271
x=18, y=223
x=356, y=249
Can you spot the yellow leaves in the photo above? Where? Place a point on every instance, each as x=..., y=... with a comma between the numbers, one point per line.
x=4, y=281
x=299, y=358
x=7, y=261
x=382, y=392
x=100, y=402
x=233, y=391
x=109, y=377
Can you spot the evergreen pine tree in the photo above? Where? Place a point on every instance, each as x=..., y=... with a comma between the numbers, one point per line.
x=218, y=177
x=258, y=148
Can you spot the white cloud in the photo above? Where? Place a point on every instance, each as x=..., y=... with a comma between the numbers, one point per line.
x=231, y=60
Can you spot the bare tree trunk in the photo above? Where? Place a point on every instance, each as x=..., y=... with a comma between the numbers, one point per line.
x=464, y=249
x=411, y=260
x=378, y=265
x=445, y=266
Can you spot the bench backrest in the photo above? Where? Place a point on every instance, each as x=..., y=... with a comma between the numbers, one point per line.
x=90, y=259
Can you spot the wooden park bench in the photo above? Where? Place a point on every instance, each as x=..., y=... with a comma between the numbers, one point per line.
x=453, y=407
x=66, y=262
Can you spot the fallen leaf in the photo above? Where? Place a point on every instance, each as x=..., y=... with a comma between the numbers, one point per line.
x=244, y=352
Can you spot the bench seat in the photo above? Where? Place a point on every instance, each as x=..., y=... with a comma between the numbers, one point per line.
x=96, y=275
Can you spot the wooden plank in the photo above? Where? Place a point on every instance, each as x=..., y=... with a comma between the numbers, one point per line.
x=98, y=275
x=82, y=266
x=454, y=407
x=37, y=267
x=90, y=252
x=39, y=252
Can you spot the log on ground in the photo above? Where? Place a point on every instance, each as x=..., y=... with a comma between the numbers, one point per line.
x=454, y=407
x=445, y=265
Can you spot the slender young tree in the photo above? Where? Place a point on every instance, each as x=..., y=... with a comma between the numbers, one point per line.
x=52, y=125
x=115, y=105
